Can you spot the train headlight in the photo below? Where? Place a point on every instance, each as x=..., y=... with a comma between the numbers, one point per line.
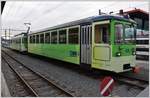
x=134, y=53
x=118, y=54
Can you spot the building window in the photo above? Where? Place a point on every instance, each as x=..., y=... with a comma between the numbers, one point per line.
x=139, y=23
x=62, y=36
x=73, y=35
x=146, y=25
x=47, y=37
x=54, y=37
x=41, y=38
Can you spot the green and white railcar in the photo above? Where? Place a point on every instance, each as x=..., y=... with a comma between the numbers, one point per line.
x=104, y=42
x=19, y=42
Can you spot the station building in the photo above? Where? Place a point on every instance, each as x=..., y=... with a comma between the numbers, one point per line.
x=142, y=37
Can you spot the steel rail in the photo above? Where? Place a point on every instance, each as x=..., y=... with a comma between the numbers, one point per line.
x=37, y=73
x=132, y=81
x=23, y=80
x=138, y=79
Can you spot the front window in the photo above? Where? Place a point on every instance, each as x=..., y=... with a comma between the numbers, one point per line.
x=124, y=33
x=119, y=33
x=129, y=34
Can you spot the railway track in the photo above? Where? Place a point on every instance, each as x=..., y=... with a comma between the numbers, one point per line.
x=132, y=81
x=129, y=81
x=19, y=87
x=37, y=84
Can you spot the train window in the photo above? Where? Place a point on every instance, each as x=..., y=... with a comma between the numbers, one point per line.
x=62, y=36
x=73, y=35
x=30, y=39
x=33, y=40
x=129, y=34
x=47, y=37
x=37, y=39
x=118, y=33
x=102, y=33
x=16, y=41
x=41, y=38
x=54, y=37
x=24, y=40
x=19, y=40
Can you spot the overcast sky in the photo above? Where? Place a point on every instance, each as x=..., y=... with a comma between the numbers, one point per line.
x=49, y=13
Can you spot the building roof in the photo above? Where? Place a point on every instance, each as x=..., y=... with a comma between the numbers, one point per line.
x=138, y=13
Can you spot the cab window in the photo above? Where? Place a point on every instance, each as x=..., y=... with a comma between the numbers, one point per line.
x=129, y=33
x=119, y=33
x=102, y=33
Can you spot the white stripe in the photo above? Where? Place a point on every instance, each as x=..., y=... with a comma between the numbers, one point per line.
x=106, y=87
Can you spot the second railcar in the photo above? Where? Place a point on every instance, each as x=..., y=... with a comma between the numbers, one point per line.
x=19, y=42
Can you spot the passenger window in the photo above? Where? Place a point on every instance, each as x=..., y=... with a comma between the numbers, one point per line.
x=73, y=35
x=62, y=36
x=54, y=37
x=24, y=40
x=19, y=40
x=30, y=39
x=47, y=37
x=33, y=39
x=102, y=33
x=37, y=39
x=41, y=38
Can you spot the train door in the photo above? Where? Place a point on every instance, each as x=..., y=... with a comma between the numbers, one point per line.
x=86, y=40
x=101, y=49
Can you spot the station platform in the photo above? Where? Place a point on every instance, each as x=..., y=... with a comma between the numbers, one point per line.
x=4, y=88
x=144, y=93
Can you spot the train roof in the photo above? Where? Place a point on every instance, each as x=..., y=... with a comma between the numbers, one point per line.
x=23, y=33
x=86, y=21
x=19, y=35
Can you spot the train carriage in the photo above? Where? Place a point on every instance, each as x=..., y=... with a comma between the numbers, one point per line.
x=104, y=42
x=19, y=42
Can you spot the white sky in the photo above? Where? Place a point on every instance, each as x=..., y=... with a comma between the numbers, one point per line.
x=42, y=14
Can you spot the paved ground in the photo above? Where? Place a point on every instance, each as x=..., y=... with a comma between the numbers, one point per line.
x=144, y=71
x=4, y=88
x=75, y=82
x=143, y=64
x=144, y=93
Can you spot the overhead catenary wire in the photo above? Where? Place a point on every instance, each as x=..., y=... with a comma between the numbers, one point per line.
x=13, y=29
x=57, y=6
